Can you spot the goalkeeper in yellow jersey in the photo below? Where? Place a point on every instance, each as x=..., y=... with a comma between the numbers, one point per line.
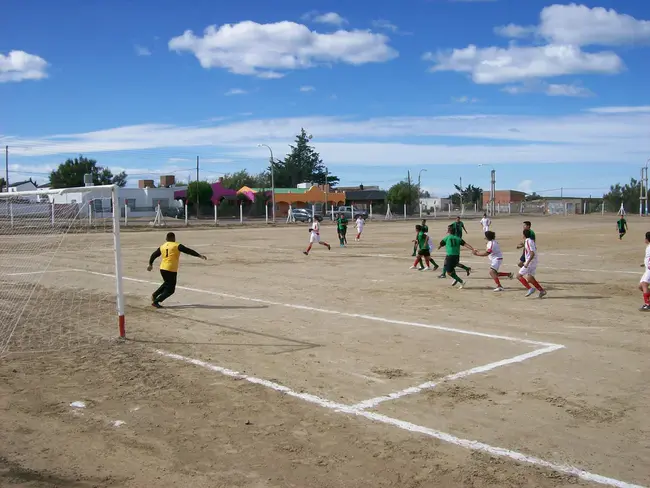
x=171, y=255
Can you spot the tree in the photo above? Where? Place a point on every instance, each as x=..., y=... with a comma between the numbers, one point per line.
x=201, y=188
x=532, y=197
x=425, y=194
x=302, y=165
x=71, y=174
x=236, y=180
x=3, y=184
x=627, y=194
x=470, y=195
x=401, y=193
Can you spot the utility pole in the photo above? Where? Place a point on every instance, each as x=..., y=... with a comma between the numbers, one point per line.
x=408, y=198
x=461, y=195
x=197, y=188
x=7, y=167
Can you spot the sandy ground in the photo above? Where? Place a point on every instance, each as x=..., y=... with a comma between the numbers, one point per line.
x=346, y=325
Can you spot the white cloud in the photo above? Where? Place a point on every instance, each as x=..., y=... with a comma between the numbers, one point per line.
x=235, y=91
x=580, y=25
x=494, y=65
x=384, y=25
x=20, y=66
x=465, y=99
x=142, y=51
x=330, y=18
x=620, y=110
x=550, y=89
x=514, y=31
x=582, y=138
x=270, y=50
x=307, y=88
x=526, y=186
x=560, y=90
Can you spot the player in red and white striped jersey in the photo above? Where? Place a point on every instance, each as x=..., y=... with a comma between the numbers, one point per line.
x=314, y=236
x=493, y=251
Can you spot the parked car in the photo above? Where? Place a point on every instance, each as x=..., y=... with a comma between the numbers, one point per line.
x=304, y=215
x=347, y=212
x=174, y=212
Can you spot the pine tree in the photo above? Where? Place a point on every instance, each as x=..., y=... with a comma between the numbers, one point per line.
x=302, y=165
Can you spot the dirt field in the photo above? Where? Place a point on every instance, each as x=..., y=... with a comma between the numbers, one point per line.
x=342, y=369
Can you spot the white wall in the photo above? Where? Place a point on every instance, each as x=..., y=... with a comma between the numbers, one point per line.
x=435, y=202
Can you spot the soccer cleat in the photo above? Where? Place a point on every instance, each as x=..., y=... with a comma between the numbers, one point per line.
x=413, y=267
x=156, y=305
x=530, y=292
x=542, y=294
x=442, y=277
x=305, y=253
x=455, y=283
x=511, y=276
x=498, y=289
x=435, y=268
x=469, y=270
x=463, y=285
x=645, y=308
x=329, y=248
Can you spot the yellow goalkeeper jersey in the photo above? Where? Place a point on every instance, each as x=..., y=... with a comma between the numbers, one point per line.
x=171, y=256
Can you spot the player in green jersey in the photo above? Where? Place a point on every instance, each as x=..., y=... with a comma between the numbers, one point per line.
x=459, y=227
x=452, y=243
x=342, y=229
x=527, y=226
x=422, y=241
x=621, y=224
x=425, y=229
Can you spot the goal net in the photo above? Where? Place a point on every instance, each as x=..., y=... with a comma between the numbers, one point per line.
x=60, y=277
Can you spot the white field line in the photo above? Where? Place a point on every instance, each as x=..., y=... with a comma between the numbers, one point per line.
x=470, y=260
x=374, y=402
x=408, y=426
x=342, y=314
x=38, y=272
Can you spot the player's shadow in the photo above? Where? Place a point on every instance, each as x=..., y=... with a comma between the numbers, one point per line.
x=572, y=283
x=593, y=297
x=214, y=307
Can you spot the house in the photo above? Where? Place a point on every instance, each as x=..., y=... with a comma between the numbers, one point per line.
x=362, y=199
x=504, y=197
x=219, y=193
x=27, y=185
x=141, y=202
x=296, y=197
x=435, y=203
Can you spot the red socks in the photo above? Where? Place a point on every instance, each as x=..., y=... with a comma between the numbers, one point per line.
x=646, y=298
x=536, y=284
x=523, y=281
x=497, y=281
x=503, y=274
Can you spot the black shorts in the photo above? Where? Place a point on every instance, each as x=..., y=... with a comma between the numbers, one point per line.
x=343, y=231
x=621, y=232
x=424, y=252
x=450, y=263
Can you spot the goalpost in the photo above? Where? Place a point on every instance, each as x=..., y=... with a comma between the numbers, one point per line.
x=60, y=268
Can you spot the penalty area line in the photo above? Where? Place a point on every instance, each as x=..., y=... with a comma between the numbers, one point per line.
x=372, y=318
x=374, y=402
x=408, y=426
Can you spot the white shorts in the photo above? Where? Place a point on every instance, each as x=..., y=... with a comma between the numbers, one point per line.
x=646, y=277
x=359, y=230
x=486, y=228
x=495, y=263
x=530, y=270
x=313, y=237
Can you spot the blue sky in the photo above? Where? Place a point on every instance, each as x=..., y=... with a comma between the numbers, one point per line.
x=549, y=94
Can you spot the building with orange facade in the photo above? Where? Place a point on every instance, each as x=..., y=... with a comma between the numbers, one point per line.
x=320, y=196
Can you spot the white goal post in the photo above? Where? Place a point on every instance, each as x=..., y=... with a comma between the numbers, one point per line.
x=60, y=268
